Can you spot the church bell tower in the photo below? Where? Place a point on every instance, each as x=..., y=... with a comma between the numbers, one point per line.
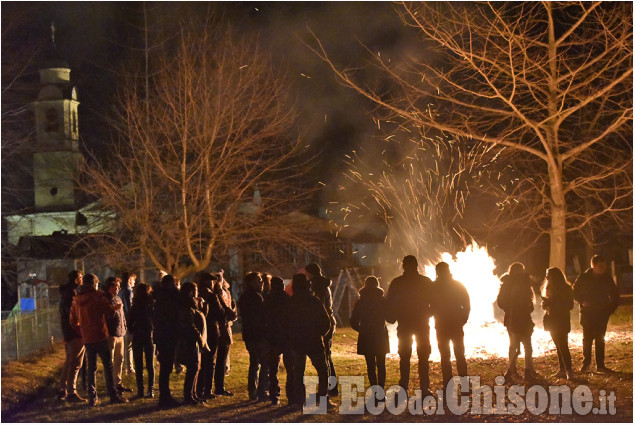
x=57, y=159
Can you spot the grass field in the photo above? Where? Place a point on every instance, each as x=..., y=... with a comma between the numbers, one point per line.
x=28, y=388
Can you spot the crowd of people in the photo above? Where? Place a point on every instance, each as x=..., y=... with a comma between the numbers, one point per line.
x=190, y=325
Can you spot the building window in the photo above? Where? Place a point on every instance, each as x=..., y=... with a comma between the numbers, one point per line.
x=338, y=250
x=287, y=254
x=256, y=258
x=81, y=219
x=52, y=123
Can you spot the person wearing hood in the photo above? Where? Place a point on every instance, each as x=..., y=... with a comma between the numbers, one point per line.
x=408, y=303
x=369, y=319
x=126, y=294
x=451, y=307
x=598, y=297
x=321, y=288
x=73, y=344
x=89, y=312
x=251, y=308
x=516, y=299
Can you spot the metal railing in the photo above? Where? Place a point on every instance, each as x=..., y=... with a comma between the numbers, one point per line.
x=24, y=333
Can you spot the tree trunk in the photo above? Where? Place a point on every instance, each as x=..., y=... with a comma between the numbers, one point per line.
x=558, y=231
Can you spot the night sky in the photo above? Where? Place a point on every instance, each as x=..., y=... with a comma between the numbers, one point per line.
x=94, y=38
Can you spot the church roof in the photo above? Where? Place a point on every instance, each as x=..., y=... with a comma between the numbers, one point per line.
x=52, y=59
x=59, y=245
x=356, y=233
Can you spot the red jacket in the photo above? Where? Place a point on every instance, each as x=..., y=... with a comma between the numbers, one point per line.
x=88, y=314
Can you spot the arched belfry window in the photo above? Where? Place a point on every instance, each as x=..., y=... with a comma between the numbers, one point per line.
x=52, y=121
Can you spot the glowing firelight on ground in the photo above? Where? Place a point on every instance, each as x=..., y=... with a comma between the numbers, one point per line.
x=485, y=334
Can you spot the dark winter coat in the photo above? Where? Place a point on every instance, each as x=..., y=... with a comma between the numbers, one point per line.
x=215, y=313
x=321, y=288
x=600, y=292
x=408, y=301
x=230, y=314
x=125, y=293
x=251, y=308
x=558, y=304
x=166, y=328
x=117, y=325
x=369, y=319
x=277, y=305
x=140, y=321
x=308, y=323
x=517, y=301
x=192, y=328
x=451, y=304
x=89, y=312
x=67, y=292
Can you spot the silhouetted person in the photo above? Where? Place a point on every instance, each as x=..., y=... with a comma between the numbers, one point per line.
x=408, y=303
x=141, y=328
x=369, y=319
x=251, y=308
x=166, y=332
x=321, y=288
x=222, y=291
x=557, y=303
x=451, y=308
x=308, y=323
x=88, y=315
x=598, y=297
x=73, y=344
x=266, y=284
x=214, y=313
x=277, y=305
x=516, y=298
x=192, y=340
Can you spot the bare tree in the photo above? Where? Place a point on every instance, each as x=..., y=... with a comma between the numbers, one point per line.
x=207, y=159
x=548, y=84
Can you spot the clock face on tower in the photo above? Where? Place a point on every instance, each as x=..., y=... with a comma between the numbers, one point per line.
x=52, y=122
